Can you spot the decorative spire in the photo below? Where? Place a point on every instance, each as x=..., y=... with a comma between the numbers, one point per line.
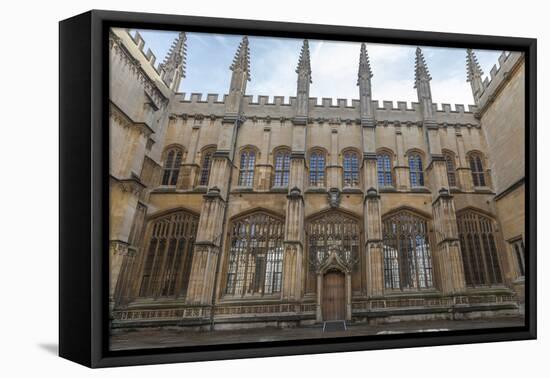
x=421, y=70
x=241, y=61
x=473, y=68
x=174, y=62
x=304, y=63
x=365, y=71
x=473, y=74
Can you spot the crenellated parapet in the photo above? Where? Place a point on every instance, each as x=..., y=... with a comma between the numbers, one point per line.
x=499, y=75
x=324, y=110
x=131, y=49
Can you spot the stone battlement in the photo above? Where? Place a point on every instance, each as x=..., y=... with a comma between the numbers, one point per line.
x=322, y=109
x=498, y=75
x=320, y=103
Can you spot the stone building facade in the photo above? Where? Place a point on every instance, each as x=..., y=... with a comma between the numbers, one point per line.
x=231, y=213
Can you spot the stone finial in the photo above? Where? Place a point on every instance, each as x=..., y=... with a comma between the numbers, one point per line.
x=241, y=61
x=473, y=69
x=304, y=63
x=173, y=66
x=473, y=74
x=365, y=71
x=421, y=69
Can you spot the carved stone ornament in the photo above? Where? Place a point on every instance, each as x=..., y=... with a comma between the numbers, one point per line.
x=334, y=197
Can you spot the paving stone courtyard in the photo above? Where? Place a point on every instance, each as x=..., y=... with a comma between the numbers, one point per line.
x=175, y=337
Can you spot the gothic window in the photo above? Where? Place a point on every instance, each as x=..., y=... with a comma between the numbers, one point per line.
x=168, y=255
x=383, y=164
x=476, y=166
x=519, y=252
x=479, y=249
x=333, y=231
x=317, y=169
x=172, y=164
x=407, y=256
x=246, y=171
x=351, y=169
x=255, y=264
x=416, y=172
x=206, y=164
x=282, y=168
x=451, y=169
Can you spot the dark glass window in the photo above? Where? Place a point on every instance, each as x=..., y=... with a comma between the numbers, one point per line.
x=383, y=164
x=282, y=168
x=168, y=255
x=519, y=252
x=317, y=169
x=416, y=171
x=351, y=169
x=451, y=170
x=171, y=169
x=476, y=166
x=407, y=256
x=255, y=263
x=246, y=172
x=479, y=250
x=206, y=164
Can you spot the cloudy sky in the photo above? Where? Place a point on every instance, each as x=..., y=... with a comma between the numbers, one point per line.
x=334, y=67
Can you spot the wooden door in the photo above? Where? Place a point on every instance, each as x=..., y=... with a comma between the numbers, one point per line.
x=334, y=297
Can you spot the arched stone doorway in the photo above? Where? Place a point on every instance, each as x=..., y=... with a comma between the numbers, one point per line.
x=334, y=296
x=334, y=288
x=334, y=240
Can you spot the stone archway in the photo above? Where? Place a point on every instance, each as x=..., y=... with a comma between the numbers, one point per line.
x=333, y=303
x=333, y=276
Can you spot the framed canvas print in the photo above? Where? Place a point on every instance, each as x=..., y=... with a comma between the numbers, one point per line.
x=235, y=188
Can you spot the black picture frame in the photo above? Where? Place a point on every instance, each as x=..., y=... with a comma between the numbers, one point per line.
x=83, y=196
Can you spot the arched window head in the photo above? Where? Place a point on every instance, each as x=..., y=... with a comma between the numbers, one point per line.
x=206, y=164
x=416, y=172
x=246, y=168
x=479, y=249
x=317, y=169
x=351, y=169
x=282, y=168
x=476, y=166
x=407, y=256
x=168, y=255
x=383, y=164
x=451, y=169
x=333, y=231
x=172, y=164
x=255, y=265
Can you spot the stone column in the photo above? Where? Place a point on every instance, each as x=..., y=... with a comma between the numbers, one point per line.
x=191, y=167
x=348, y=295
x=446, y=256
x=373, y=244
x=463, y=169
x=293, y=269
x=334, y=173
x=401, y=169
x=264, y=170
x=209, y=232
x=124, y=196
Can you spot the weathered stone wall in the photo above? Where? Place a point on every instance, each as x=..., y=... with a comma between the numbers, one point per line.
x=147, y=118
